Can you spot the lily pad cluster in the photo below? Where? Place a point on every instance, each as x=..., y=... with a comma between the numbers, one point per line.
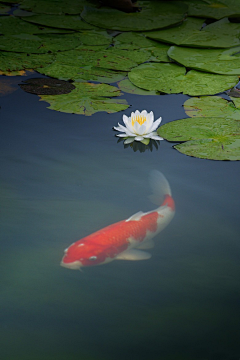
x=211, y=132
x=182, y=46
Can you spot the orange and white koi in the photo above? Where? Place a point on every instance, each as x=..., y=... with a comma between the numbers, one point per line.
x=125, y=239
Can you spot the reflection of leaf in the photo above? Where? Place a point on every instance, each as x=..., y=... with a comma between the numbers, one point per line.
x=226, y=62
x=220, y=34
x=7, y=86
x=211, y=106
x=18, y=61
x=207, y=138
x=87, y=99
x=171, y=78
x=153, y=15
x=128, y=87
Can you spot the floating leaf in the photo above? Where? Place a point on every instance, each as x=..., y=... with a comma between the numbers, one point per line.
x=74, y=7
x=60, y=21
x=83, y=73
x=17, y=61
x=45, y=86
x=206, y=138
x=39, y=44
x=216, y=9
x=171, y=78
x=4, y=9
x=211, y=106
x=11, y=25
x=87, y=99
x=220, y=34
x=126, y=86
x=153, y=15
x=215, y=61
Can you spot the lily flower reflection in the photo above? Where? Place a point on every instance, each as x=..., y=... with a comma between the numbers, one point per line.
x=139, y=127
x=138, y=146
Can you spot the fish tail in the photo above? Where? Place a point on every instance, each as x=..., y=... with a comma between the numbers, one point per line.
x=160, y=187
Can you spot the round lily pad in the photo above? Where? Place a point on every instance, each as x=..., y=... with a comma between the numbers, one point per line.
x=39, y=44
x=11, y=25
x=19, y=61
x=207, y=138
x=211, y=106
x=60, y=21
x=153, y=15
x=218, y=61
x=73, y=7
x=171, y=78
x=87, y=99
x=220, y=34
x=45, y=86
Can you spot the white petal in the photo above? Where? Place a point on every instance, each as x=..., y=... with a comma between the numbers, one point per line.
x=139, y=138
x=136, y=127
x=142, y=129
x=136, y=113
x=126, y=119
x=122, y=135
x=120, y=127
x=156, y=137
x=129, y=140
x=156, y=124
x=144, y=113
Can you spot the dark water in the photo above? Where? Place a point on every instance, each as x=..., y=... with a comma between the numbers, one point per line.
x=64, y=176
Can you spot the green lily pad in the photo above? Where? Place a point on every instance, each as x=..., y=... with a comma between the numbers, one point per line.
x=87, y=99
x=211, y=106
x=171, y=78
x=226, y=62
x=4, y=9
x=153, y=15
x=11, y=25
x=220, y=34
x=126, y=86
x=28, y=43
x=206, y=138
x=216, y=9
x=83, y=73
x=74, y=7
x=20, y=61
x=60, y=21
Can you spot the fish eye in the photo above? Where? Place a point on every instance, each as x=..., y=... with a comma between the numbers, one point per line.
x=93, y=258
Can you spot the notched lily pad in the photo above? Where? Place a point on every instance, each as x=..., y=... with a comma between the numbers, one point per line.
x=45, y=86
x=87, y=99
x=206, y=138
x=171, y=78
x=211, y=106
x=218, y=61
x=126, y=86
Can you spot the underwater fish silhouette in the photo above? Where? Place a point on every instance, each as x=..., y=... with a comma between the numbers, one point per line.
x=125, y=239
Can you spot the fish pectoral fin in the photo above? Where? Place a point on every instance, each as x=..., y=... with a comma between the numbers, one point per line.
x=146, y=245
x=136, y=216
x=134, y=255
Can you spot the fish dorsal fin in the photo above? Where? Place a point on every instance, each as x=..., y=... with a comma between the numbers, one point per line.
x=146, y=245
x=134, y=255
x=136, y=216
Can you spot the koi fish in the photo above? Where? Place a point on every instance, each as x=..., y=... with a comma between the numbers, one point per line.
x=125, y=239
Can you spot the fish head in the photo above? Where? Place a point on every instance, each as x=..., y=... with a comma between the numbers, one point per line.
x=82, y=254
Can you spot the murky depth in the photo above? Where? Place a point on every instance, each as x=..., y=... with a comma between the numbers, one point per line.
x=65, y=176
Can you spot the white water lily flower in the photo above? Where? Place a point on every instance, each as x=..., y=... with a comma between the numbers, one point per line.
x=139, y=127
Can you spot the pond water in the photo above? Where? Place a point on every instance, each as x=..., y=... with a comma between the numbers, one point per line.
x=64, y=176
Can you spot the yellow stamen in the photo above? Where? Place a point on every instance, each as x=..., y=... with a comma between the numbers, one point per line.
x=139, y=118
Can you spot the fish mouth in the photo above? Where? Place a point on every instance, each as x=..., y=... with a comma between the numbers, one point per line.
x=75, y=265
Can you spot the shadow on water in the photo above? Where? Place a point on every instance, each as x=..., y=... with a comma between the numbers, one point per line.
x=65, y=176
